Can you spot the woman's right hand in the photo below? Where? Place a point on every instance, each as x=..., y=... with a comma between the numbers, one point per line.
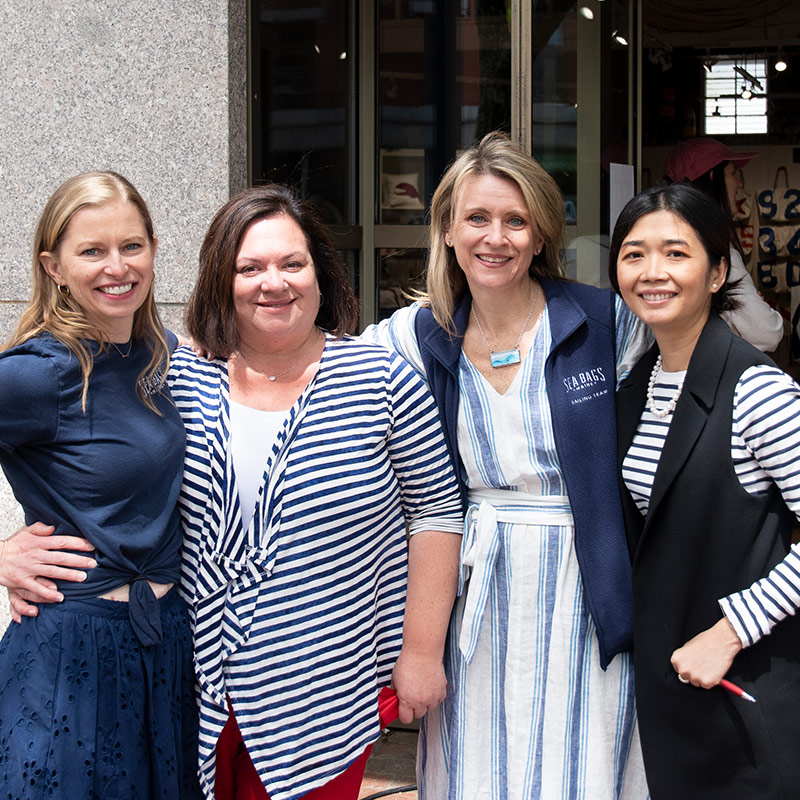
x=32, y=558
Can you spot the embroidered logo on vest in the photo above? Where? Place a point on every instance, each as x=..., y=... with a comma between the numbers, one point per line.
x=585, y=386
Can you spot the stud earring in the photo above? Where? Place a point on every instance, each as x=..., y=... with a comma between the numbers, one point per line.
x=713, y=285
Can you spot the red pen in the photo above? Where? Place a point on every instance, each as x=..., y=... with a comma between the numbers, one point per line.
x=737, y=690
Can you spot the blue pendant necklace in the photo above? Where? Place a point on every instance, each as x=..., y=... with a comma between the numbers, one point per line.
x=505, y=358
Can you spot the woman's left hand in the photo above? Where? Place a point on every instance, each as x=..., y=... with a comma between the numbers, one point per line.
x=704, y=660
x=420, y=684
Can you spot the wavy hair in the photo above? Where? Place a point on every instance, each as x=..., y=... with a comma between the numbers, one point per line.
x=494, y=155
x=60, y=314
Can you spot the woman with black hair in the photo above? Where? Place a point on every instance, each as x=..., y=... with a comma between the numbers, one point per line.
x=709, y=442
x=713, y=167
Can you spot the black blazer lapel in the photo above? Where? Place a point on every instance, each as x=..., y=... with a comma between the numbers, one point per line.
x=691, y=413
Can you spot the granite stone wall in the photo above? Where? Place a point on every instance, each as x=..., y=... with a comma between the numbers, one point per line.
x=154, y=90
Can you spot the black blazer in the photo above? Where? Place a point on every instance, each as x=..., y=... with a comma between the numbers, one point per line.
x=705, y=537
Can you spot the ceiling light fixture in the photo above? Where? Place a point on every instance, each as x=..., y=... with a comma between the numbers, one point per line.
x=619, y=38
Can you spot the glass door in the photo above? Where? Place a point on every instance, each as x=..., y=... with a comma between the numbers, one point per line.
x=362, y=104
x=443, y=80
x=579, y=119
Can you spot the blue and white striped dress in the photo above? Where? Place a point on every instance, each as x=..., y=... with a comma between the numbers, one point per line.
x=530, y=713
x=298, y=617
x=765, y=441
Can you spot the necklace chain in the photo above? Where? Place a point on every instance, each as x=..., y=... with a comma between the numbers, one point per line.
x=504, y=358
x=124, y=355
x=277, y=375
x=651, y=385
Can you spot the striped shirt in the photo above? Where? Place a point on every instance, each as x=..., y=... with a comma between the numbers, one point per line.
x=765, y=448
x=298, y=617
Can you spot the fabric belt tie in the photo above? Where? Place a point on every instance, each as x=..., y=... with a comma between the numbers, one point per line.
x=481, y=544
x=144, y=612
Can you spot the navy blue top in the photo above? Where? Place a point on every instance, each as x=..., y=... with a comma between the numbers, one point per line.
x=111, y=475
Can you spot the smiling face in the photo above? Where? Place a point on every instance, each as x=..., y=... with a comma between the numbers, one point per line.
x=665, y=277
x=493, y=235
x=275, y=290
x=105, y=258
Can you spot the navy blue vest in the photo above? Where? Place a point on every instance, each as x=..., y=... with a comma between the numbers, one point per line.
x=580, y=374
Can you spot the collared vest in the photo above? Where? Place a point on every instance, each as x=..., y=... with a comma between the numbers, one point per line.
x=583, y=328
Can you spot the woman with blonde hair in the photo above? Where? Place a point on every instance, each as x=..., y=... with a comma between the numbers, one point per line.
x=523, y=365
x=97, y=687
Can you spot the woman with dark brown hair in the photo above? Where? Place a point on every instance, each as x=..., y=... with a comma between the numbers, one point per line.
x=308, y=452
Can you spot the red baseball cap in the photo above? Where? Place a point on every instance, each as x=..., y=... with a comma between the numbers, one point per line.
x=688, y=160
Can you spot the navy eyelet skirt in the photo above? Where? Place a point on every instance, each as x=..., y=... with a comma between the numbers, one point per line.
x=88, y=713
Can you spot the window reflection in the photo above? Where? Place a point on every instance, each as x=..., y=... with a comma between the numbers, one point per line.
x=554, y=125
x=300, y=116
x=400, y=276
x=444, y=79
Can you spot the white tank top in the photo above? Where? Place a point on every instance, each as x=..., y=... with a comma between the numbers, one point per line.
x=253, y=432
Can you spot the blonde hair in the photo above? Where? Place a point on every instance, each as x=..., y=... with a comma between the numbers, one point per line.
x=59, y=314
x=494, y=155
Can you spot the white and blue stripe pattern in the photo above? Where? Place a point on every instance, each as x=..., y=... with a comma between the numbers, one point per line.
x=765, y=443
x=298, y=618
x=530, y=714
x=765, y=447
x=641, y=461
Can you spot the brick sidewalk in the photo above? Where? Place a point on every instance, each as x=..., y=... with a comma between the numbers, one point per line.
x=391, y=766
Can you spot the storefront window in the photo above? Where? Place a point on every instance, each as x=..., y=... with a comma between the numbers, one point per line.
x=302, y=114
x=554, y=108
x=401, y=274
x=444, y=78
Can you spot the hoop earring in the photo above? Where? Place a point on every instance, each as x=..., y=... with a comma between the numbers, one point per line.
x=63, y=289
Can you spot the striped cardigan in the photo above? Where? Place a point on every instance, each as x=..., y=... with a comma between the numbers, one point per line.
x=298, y=618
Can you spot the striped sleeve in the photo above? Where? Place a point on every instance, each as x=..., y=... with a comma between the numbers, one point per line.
x=398, y=334
x=765, y=445
x=417, y=450
x=633, y=338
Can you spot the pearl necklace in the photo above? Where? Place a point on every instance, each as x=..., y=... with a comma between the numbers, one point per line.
x=651, y=385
